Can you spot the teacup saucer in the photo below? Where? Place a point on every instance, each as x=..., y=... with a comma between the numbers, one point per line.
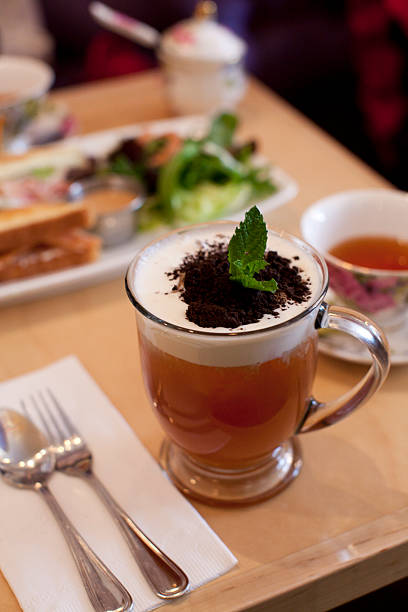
x=337, y=344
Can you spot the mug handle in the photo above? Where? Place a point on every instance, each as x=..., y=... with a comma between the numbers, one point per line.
x=319, y=414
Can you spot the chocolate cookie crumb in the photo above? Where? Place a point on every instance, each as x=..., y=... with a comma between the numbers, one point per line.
x=216, y=301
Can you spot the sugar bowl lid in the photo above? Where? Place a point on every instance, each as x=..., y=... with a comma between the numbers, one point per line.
x=201, y=38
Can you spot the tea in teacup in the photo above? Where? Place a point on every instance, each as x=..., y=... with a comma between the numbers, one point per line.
x=376, y=252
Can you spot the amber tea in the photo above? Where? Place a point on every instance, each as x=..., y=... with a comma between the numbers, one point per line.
x=376, y=252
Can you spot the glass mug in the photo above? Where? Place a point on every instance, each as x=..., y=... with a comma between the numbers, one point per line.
x=233, y=403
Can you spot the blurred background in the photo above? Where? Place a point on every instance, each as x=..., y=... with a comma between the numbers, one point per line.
x=343, y=63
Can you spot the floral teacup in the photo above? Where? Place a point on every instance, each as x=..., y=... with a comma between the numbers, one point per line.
x=381, y=294
x=24, y=83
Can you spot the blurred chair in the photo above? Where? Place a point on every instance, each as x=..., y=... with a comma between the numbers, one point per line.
x=379, y=36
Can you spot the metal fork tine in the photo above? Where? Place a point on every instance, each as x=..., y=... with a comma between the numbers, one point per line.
x=24, y=409
x=50, y=434
x=51, y=415
x=72, y=430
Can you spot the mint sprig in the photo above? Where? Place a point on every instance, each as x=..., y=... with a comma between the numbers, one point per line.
x=246, y=252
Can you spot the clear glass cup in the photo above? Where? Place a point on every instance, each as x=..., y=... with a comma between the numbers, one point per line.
x=232, y=404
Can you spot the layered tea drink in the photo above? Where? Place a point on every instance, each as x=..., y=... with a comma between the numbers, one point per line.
x=227, y=396
x=229, y=369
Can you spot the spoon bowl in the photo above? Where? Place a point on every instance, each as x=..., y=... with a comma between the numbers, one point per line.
x=26, y=461
x=24, y=455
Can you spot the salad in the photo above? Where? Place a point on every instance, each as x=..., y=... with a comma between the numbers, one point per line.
x=192, y=180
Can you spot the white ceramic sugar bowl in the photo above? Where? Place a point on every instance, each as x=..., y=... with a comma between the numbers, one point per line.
x=203, y=63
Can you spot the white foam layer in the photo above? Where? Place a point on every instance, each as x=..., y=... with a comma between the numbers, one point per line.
x=152, y=288
x=230, y=351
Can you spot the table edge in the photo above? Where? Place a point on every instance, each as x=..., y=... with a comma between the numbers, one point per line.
x=374, y=554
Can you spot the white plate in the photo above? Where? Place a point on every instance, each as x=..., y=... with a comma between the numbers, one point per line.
x=342, y=346
x=114, y=262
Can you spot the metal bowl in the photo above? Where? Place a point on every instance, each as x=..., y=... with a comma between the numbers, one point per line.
x=116, y=227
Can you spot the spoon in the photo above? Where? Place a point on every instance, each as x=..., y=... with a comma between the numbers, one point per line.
x=27, y=462
x=125, y=25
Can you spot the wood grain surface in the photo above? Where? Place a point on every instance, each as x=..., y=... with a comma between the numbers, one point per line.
x=341, y=529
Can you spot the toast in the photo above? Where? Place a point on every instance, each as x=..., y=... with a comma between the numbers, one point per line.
x=71, y=248
x=45, y=236
x=37, y=224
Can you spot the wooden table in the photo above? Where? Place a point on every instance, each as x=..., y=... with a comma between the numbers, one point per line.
x=341, y=529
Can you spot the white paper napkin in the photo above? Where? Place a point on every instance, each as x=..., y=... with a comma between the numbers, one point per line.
x=33, y=554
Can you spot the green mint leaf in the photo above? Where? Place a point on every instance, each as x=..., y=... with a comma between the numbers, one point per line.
x=252, y=283
x=249, y=240
x=246, y=252
x=252, y=267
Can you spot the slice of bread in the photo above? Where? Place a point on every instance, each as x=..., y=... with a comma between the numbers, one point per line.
x=71, y=248
x=51, y=156
x=25, y=227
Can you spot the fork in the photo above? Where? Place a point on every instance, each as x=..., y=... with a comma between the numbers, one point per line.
x=73, y=457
